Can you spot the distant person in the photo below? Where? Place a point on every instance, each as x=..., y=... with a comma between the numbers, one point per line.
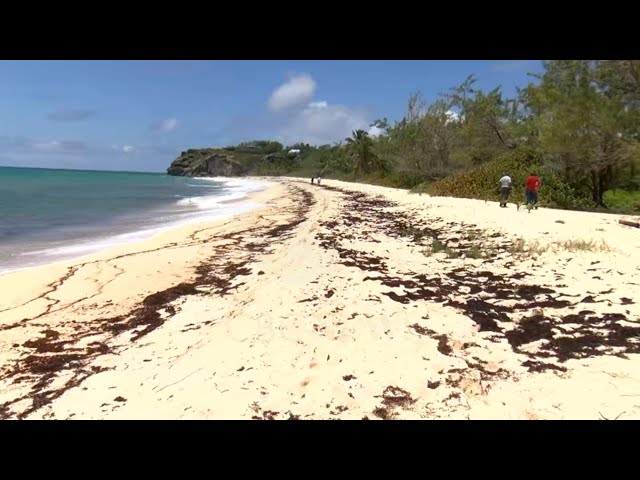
x=531, y=194
x=312, y=179
x=319, y=180
x=505, y=189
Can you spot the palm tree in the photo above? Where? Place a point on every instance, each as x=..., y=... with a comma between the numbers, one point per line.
x=360, y=148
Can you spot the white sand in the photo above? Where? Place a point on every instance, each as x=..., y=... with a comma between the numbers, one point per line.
x=262, y=348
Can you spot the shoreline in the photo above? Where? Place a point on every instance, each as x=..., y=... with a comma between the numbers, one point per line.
x=160, y=240
x=246, y=200
x=326, y=302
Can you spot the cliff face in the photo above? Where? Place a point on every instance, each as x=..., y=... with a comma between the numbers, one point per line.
x=199, y=164
x=233, y=161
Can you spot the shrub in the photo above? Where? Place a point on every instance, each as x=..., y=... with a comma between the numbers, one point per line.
x=403, y=179
x=623, y=201
x=482, y=182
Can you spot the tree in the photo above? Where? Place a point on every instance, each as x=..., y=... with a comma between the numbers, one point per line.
x=487, y=121
x=620, y=78
x=439, y=132
x=418, y=144
x=416, y=107
x=260, y=146
x=383, y=124
x=332, y=160
x=584, y=124
x=360, y=149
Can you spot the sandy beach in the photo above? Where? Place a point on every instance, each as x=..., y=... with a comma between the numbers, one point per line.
x=339, y=301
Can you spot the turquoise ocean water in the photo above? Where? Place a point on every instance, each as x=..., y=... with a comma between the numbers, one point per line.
x=50, y=215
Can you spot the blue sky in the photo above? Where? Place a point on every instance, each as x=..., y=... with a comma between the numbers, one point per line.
x=139, y=115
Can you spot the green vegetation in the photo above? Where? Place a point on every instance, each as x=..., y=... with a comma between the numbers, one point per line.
x=242, y=157
x=259, y=157
x=623, y=201
x=576, y=125
x=474, y=252
x=524, y=248
x=481, y=182
x=437, y=246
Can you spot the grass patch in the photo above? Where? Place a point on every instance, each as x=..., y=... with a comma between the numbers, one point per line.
x=584, y=246
x=416, y=233
x=534, y=247
x=452, y=253
x=474, y=252
x=437, y=246
x=473, y=235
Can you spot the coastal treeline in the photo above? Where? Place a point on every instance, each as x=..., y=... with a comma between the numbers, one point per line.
x=576, y=125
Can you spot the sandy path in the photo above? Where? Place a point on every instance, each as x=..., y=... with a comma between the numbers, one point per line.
x=328, y=303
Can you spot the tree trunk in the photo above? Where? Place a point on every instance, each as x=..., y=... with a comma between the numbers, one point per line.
x=600, y=182
x=601, y=188
x=629, y=223
x=596, y=195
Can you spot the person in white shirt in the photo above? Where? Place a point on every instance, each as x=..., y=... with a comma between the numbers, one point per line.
x=505, y=189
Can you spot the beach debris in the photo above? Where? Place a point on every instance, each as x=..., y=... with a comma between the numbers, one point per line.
x=382, y=413
x=629, y=223
x=312, y=299
x=420, y=330
x=396, y=397
x=617, y=417
x=443, y=345
x=267, y=415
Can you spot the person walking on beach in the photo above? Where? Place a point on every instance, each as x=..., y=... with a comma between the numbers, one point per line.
x=531, y=194
x=505, y=190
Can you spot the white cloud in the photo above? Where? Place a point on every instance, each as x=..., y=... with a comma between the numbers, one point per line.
x=321, y=104
x=165, y=126
x=56, y=146
x=125, y=148
x=61, y=153
x=320, y=123
x=294, y=115
x=452, y=116
x=375, y=131
x=298, y=90
x=46, y=146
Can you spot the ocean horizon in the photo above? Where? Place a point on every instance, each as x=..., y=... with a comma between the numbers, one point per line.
x=48, y=215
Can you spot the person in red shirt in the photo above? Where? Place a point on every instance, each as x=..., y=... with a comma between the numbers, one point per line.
x=533, y=185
